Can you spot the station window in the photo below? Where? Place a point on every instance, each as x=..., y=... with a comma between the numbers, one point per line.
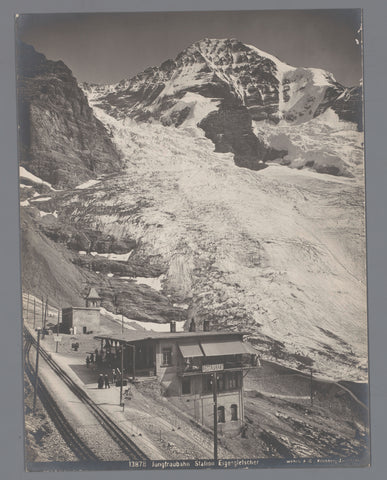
x=167, y=356
x=221, y=416
x=232, y=381
x=234, y=412
x=186, y=386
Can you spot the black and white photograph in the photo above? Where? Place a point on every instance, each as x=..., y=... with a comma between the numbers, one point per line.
x=193, y=239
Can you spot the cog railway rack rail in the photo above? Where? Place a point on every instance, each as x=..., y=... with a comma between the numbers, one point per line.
x=80, y=449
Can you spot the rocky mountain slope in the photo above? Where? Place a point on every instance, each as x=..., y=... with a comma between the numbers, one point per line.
x=278, y=252
x=62, y=141
x=223, y=86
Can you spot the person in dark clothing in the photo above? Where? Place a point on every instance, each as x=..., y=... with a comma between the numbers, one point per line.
x=87, y=361
x=106, y=379
x=114, y=375
x=92, y=357
x=244, y=431
x=100, y=381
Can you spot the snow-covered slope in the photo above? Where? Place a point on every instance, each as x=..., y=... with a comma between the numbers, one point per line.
x=279, y=252
x=325, y=144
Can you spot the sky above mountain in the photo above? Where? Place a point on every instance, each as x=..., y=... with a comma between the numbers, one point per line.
x=105, y=48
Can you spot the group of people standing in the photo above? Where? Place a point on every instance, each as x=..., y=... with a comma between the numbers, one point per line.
x=94, y=358
x=103, y=379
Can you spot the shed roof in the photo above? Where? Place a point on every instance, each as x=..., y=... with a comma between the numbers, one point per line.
x=191, y=350
x=225, y=347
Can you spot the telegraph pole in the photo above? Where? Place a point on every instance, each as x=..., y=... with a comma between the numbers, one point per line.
x=311, y=387
x=45, y=318
x=34, y=312
x=122, y=372
x=134, y=362
x=57, y=332
x=42, y=311
x=36, y=370
x=215, y=395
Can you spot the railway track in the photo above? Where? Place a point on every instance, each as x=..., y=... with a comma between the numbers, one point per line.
x=125, y=443
x=72, y=439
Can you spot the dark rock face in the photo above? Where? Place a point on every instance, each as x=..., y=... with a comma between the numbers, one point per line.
x=230, y=130
x=348, y=106
x=346, y=102
x=76, y=238
x=61, y=140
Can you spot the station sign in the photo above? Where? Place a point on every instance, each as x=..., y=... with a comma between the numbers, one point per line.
x=57, y=338
x=216, y=367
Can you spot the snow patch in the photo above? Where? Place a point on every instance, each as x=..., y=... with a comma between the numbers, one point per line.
x=23, y=173
x=117, y=318
x=322, y=78
x=150, y=326
x=41, y=199
x=184, y=306
x=25, y=203
x=118, y=257
x=159, y=327
x=87, y=184
x=153, y=282
x=200, y=107
x=43, y=214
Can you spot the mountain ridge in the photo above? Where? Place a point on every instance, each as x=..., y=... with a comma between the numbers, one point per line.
x=228, y=53
x=224, y=86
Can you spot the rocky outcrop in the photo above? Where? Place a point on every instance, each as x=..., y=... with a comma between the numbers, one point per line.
x=348, y=106
x=345, y=102
x=230, y=129
x=61, y=141
x=76, y=238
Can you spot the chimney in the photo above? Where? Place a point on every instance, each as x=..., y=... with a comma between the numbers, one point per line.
x=206, y=326
x=192, y=326
x=172, y=326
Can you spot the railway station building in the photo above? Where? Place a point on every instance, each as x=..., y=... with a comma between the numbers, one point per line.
x=85, y=319
x=185, y=364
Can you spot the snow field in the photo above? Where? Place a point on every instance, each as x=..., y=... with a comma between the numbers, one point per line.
x=281, y=250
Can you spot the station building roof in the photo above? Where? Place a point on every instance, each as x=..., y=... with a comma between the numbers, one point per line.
x=136, y=336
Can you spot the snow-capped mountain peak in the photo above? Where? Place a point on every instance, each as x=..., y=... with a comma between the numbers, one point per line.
x=225, y=87
x=227, y=69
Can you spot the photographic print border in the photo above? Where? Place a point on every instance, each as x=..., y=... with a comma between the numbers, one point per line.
x=370, y=193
